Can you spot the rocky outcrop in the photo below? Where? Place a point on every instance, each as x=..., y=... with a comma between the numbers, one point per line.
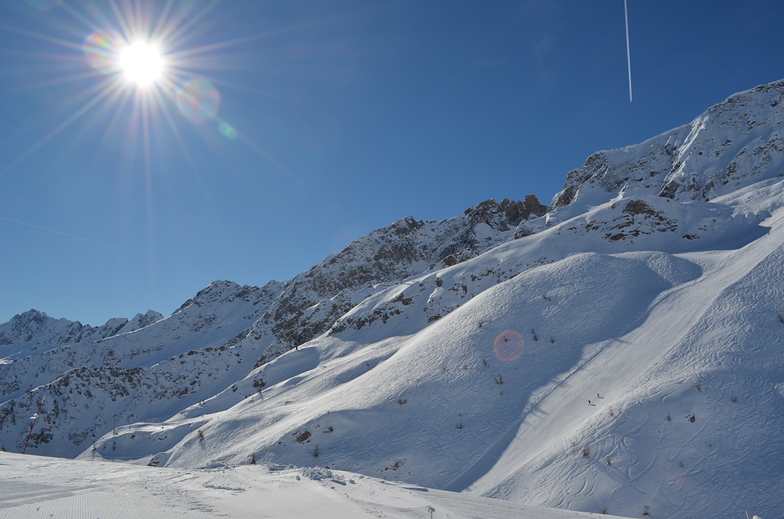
x=507, y=213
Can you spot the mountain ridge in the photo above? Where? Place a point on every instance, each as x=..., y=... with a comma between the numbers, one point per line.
x=650, y=274
x=695, y=161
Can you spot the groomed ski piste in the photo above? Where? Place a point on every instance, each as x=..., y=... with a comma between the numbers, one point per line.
x=623, y=355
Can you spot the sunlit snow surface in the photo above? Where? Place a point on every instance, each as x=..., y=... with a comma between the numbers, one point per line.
x=33, y=487
x=679, y=354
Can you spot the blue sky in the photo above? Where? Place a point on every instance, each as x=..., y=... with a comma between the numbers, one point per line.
x=334, y=118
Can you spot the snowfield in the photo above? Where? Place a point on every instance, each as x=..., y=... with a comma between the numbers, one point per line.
x=618, y=352
x=32, y=487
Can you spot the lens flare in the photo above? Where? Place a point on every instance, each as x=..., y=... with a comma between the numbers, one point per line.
x=508, y=346
x=198, y=101
x=227, y=131
x=102, y=50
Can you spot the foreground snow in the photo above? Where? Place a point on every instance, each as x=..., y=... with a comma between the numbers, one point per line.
x=35, y=486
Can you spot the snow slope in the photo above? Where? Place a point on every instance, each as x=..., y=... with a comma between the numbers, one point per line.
x=620, y=353
x=438, y=408
x=33, y=487
x=691, y=403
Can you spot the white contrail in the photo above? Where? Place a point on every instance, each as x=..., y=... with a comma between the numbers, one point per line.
x=57, y=232
x=628, y=52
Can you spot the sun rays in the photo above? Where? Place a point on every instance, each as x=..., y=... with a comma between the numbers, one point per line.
x=138, y=64
x=141, y=67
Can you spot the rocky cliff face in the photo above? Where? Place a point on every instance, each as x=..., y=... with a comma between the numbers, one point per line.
x=410, y=246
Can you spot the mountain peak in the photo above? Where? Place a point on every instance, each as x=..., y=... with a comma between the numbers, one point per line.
x=731, y=145
x=31, y=315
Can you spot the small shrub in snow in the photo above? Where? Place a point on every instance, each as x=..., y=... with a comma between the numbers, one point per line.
x=201, y=435
x=252, y=458
x=586, y=451
x=396, y=465
x=315, y=452
x=734, y=400
x=781, y=320
x=499, y=380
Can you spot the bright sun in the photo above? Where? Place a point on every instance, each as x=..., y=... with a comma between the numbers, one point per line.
x=141, y=63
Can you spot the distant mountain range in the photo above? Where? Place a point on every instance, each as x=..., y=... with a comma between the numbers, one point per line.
x=620, y=350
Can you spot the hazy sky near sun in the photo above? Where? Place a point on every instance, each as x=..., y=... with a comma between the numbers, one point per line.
x=320, y=121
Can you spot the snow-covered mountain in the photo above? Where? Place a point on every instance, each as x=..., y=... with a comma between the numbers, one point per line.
x=733, y=145
x=619, y=351
x=34, y=330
